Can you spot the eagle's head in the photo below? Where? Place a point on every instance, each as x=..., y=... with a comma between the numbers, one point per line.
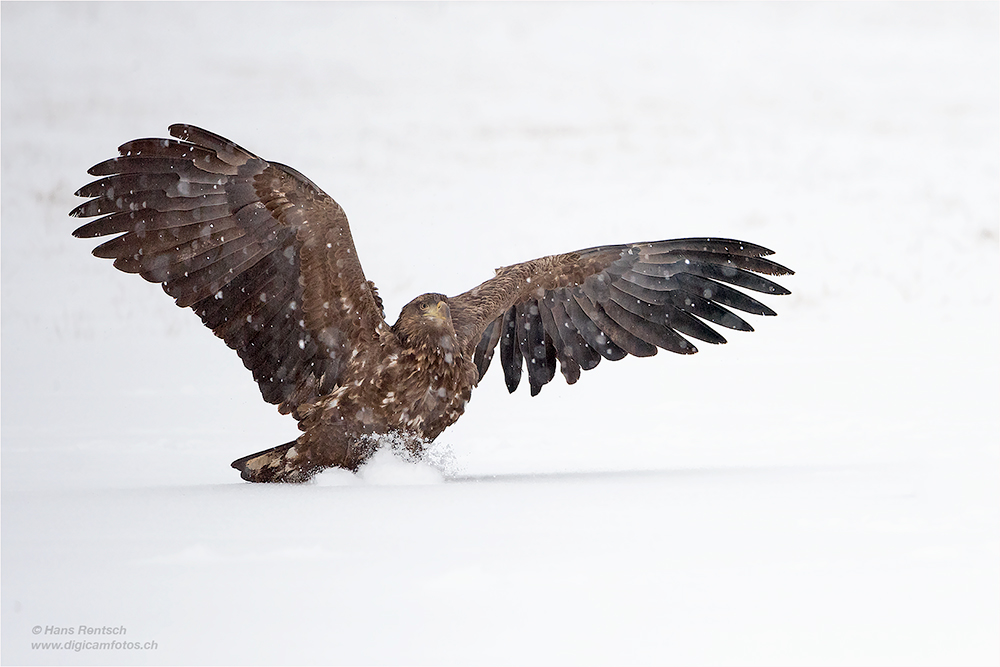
x=425, y=320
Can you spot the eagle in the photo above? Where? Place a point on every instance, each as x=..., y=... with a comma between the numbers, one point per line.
x=266, y=260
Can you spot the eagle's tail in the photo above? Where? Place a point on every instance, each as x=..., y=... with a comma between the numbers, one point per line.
x=278, y=464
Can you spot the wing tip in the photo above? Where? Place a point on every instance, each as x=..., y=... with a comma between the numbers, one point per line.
x=78, y=212
x=181, y=131
x=781, y=270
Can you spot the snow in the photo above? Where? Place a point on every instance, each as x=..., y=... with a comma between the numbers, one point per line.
x=821, y=491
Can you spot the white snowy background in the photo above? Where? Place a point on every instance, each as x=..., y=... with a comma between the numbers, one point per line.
x=824, y=491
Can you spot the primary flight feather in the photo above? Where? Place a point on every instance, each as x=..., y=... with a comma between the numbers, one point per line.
x=266, y=259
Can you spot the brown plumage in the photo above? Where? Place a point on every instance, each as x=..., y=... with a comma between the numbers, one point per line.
x=267, y=261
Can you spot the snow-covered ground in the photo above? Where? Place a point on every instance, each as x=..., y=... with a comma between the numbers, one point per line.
x=823, y=491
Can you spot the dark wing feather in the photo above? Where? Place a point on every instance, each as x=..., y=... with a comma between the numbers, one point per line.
x=609, y=302
x=260, y=253
x=510, y=351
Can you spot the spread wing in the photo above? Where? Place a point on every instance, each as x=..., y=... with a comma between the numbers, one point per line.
x=260, y=253
x=611, y=301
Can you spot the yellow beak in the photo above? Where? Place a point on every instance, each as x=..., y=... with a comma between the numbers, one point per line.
x=439, y=311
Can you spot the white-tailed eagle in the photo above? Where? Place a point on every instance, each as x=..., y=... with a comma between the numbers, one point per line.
x=266, y=260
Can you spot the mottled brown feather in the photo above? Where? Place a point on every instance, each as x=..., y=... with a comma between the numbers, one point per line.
x=263, y=256
x=611, y=301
